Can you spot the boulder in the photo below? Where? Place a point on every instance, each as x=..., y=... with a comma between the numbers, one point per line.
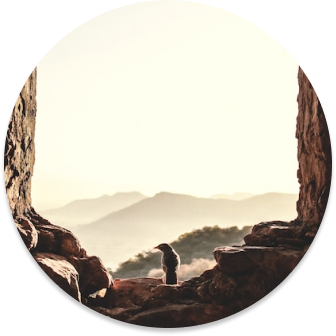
x=235, y=260
x=246, y=274
x=93, y=276
x=62, y=244
x=278, y=233
x=134, y=291
x=57, y=240
x=61, y=272
x=232, y=259
x=278, y=260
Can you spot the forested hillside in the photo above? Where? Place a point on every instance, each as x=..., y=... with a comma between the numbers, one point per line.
x=195, y=249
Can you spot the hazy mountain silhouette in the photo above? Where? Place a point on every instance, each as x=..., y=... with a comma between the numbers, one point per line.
x=172, y=209
x=163, y=217
x=236, y=196
x=88, y=210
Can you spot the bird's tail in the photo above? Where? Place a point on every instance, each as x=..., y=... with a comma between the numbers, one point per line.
x=171, y=277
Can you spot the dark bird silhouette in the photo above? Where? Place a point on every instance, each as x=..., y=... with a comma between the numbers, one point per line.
x=170, y=262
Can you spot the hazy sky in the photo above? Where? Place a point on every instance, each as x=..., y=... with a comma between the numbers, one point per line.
x=165, y=96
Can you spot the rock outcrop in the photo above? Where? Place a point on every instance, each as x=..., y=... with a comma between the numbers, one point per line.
x=61, y=272
x=243, y=274
x=20, y=149
x=314, y=156
x=55, y=249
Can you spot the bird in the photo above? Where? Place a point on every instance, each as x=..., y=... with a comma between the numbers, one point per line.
x=170, y=262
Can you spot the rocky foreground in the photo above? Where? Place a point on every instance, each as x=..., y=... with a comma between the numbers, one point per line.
x=242, y=276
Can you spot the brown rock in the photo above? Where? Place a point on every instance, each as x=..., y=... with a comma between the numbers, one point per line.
x=237, y=290
x=232, y=259
x=221, y=288
x=273, y=229
x=314, y=155
x=253, y=287
x=61, y=272
x=179, y=315
x=281, y=261
x=145, y=293
x=47, y=242
x=134, y=291
x=58, y=240
x=118, y=313
x=93, y=276
x=170, y=292
x=20, y=149
x=243, y=259
x=28, y=232
x=277, y=233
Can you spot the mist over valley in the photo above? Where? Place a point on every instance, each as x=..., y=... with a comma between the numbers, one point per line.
x=118, y=227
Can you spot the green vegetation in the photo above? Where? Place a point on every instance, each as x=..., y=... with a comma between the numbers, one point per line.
x=193, y=245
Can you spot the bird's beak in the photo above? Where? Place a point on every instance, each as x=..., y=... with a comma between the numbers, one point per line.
x=156, y=247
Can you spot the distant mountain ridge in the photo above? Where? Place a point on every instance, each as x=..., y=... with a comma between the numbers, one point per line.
x=171, y=206
x=236, y=196
x=85, y=211
x=165, y=216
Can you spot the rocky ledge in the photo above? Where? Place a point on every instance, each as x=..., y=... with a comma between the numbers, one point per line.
x=243, y=275
x=283, y=234
x=59, y=253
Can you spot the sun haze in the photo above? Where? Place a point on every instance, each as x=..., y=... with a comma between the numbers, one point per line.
x=165, y=96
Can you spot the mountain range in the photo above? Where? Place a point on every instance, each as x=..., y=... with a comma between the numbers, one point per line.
x=142, y=225
x=175, y=210
x=235, y=196
x=85, y=211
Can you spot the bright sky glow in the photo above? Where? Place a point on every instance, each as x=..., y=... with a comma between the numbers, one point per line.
x=165, y=96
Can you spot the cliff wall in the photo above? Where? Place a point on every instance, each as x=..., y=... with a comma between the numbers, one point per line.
x=55, y=249
x=20, y=149
x=314, y=156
